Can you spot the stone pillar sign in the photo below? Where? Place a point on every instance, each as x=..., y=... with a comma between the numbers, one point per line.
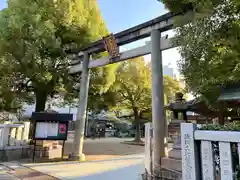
x=208, y=166
x=226, y=160
x=190, y=170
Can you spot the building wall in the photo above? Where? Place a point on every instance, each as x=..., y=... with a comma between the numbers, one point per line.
x=169, y=71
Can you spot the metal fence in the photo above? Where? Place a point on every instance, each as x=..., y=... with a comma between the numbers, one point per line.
x=164, y=174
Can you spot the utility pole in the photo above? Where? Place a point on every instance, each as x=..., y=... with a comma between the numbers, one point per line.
x=81, y=115
x=158, y=117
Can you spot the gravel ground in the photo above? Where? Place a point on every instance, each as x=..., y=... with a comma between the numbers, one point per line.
x=106, y=147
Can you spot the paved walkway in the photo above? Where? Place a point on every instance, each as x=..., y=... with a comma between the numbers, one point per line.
x=117, y=166
x=5, y=175
x=15, y=171
x=105, y=146
x=127, y=168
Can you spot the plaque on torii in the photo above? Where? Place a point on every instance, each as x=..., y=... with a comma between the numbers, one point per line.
x=111, y=47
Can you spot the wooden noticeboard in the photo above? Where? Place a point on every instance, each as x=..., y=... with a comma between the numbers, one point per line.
x=50, y=126
x=51, y=131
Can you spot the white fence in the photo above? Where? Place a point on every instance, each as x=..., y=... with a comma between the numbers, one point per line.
x=13, y=135
x=198, y=158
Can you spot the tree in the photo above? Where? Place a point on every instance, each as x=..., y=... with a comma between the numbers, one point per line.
x=209, y=38
x=33, y=38
x=10, y=101
x=133, y=91
x=171, y=87
x=99, y=96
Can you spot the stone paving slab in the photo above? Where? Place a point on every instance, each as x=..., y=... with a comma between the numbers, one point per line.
x=5, y=175
x=29, y=174
x=18, y=171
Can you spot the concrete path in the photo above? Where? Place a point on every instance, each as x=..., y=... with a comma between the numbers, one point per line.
x=128, y=168
x=5, y=175
x=15, y=171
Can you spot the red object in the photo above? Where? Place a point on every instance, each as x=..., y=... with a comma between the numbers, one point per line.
x=62, y=128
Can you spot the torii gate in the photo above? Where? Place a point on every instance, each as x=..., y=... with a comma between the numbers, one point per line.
x=152, y=28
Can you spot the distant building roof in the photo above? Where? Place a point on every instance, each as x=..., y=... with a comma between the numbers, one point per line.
x=230, y=92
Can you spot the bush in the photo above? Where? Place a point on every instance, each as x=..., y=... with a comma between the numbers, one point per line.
x=235, y=126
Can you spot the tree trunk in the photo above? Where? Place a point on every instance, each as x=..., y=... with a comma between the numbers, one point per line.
x=41, y=98
x=137, y=124
x=221, y=119
x=138, y=133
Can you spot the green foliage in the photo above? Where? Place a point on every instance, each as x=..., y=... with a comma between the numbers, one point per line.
x=132, y=89
x=10, y=101
x=33, y=38
x=209, y=38
x=171, y=87
x=133, y=86
x=131, y=94
x=217, y=127
x=178, y=6
x=183, y=6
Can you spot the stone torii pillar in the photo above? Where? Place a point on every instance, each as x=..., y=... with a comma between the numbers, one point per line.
x=158, y=115
x=81, y=110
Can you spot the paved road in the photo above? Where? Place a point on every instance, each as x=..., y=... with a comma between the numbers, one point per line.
x=128, y=168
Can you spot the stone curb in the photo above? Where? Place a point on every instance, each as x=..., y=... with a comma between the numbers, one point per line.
x=133, y=143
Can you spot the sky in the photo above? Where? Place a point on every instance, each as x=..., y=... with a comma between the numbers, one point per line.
x=3, y=4
x=123, y=14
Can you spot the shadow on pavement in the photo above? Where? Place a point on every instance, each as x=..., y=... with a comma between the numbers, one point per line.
x=123, y=158
x=132, y=172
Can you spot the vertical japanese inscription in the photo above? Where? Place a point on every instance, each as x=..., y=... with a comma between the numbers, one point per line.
x=111, y=47
x=208, y=166
x=190, y=166
x=225, y=161
x=187, y=157
x=148, y=138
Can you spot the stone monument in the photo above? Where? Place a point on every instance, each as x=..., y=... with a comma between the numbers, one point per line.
x=179, y=109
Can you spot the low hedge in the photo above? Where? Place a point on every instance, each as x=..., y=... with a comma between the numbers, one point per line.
x=234, y=126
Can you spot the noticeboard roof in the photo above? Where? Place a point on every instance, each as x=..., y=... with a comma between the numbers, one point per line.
x=51, y=116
